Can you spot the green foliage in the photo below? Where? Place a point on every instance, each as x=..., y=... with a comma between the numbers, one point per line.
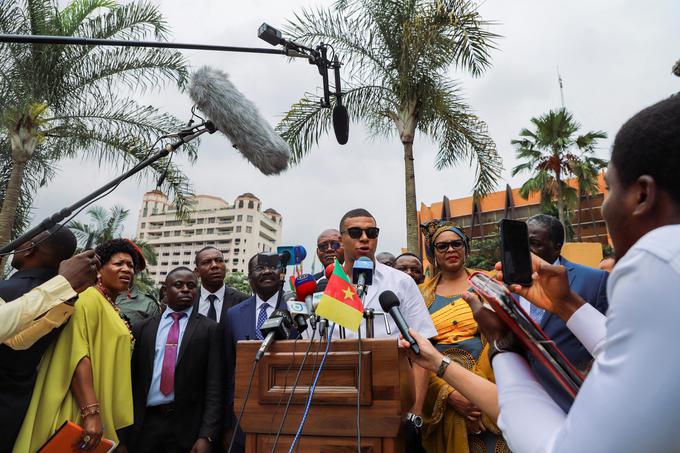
x=485, y=253
x=85, y=115
x=552, y=152
x=397, y=56
x=239, y=281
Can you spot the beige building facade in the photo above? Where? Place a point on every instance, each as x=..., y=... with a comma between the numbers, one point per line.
x=239, y=230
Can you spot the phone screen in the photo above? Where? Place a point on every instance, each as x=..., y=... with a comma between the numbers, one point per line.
x=515, y=255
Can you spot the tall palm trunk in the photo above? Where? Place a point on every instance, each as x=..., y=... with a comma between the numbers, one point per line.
x=407, y=125
x=560, y=199
x=11, y=201
x=411, y=212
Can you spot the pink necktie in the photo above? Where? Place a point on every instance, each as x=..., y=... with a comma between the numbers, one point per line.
x=170, y=356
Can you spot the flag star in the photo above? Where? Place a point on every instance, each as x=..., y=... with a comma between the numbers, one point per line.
x=348, y=293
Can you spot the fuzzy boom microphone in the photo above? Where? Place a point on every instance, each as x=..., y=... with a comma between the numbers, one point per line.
x=238, y=119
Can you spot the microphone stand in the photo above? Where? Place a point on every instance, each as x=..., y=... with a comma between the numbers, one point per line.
x=185, y=136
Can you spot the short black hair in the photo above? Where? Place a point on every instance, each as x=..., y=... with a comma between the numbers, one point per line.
x=358, y=212
x=649, y=144
x=208, y=247
x=60, y=244
x=552, y=224
x=107, y=249
x=180, y=269
x=409, y=254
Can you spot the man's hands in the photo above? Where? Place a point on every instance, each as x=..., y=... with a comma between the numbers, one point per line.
x=201, y=446
x=550, y=289
x=81, y=270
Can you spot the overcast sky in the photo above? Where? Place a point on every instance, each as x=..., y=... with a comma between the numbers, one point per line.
x=615, y=58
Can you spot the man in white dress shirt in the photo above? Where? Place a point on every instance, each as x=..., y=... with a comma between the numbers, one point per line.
x=629, y=400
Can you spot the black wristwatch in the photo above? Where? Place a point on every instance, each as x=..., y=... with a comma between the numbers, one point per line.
x=507, y=343
x=417, y=420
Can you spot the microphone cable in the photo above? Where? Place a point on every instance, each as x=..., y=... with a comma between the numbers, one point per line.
x=245, y=400
x=311, y=391
x=292, y=391
x=285, y=386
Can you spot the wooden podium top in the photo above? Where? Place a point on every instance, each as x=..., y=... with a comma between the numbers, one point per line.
x=386, y=392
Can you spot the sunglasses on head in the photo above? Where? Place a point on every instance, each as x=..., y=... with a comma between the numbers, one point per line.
x=356, y=232
x=444, y=246
x=329, y=245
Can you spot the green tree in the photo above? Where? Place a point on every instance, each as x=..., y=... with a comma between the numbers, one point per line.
x=61, y=102
x=552, y=152
x=398, y=55
x=485, y=253
x=239, y=281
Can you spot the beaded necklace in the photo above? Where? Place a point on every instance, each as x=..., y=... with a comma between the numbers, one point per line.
x=104, y=292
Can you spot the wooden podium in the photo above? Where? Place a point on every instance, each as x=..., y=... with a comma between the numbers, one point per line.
x=386, y=395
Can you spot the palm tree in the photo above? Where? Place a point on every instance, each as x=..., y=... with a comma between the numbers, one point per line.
x=553, y=152
x=398, y=54
x=60, y=102
x=106, y=225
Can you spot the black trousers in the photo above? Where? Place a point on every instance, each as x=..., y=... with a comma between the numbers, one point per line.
x=157, y=434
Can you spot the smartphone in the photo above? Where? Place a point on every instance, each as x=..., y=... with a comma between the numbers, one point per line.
x=515, y=254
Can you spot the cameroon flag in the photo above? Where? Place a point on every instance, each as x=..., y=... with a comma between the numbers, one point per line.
x=339, y=302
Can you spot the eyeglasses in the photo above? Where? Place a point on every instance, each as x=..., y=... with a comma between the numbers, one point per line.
x=444, y=246
x=356, y=232
x=329, y=245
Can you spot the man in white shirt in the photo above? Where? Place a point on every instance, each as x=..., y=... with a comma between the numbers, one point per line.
x=629, y=400
x=360, y=239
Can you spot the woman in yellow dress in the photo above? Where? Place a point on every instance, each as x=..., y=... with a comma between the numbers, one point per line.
x=451, y=422
x=85, y=376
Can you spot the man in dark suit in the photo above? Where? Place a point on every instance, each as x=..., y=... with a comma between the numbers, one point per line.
x=38, y=263
x=328, y=248
x=546, y=237
x=243, y=323
x=178, y=392
x=215, y=298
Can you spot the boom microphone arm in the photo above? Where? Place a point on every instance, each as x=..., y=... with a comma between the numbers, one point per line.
x=184, y=137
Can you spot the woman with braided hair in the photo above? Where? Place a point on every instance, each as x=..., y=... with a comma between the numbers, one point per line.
x=451, y=422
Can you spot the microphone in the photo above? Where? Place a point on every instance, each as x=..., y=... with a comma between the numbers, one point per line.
x=291, y=255
x=299, y=311
x=340, y=114
x=238, y=119
x=362, y=275
x=305, y=287
x=277, y=327
x=329, y=270
x=389, y=302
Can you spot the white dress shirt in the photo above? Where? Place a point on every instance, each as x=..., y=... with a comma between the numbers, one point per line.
x=412, y=305
x=204, y=303
x=271, y=305
x=629, y=400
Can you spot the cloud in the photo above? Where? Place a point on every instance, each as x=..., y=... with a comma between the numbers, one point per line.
x=615, y=58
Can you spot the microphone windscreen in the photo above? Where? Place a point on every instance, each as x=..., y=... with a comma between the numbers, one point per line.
x=341, y=123
x=388, y=300
x=305, y=285
x=329, y=270
x=238, y=119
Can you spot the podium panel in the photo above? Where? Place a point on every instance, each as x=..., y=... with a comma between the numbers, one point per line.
x=386, y=395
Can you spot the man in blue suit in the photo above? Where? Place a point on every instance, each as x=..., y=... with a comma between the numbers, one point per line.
x=243, y=323
x=546, y=237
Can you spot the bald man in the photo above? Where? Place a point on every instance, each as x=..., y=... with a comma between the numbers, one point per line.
x=328, y=248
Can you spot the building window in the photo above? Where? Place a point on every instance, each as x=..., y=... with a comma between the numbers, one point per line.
x=141, y=235
x=235, y=261
x=238, y=229
x=200, y=221
x=175, y=263
x=240, y=204
x=186, y=263
x=237, y=241
x=249, y=229
x=164, y=263
x=166, y=234
x=187, y=253
x=210, y=231
x=166, y=253
x=211, y=220
x=177, y=232
x=249, y=219
x=251, y=204
x=199, y=231
x=239, y=218
x=143, y=224
x=146, y=212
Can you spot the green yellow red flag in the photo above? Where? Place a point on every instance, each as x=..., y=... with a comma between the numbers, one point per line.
x=340, y=302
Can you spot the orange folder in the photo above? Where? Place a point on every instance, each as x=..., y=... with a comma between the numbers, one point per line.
x=67, y=438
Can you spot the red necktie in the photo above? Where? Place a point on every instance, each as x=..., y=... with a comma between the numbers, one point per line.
x=170, y=355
